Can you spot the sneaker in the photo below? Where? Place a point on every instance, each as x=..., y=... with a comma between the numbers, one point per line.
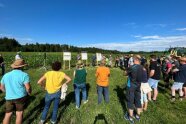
x=173, y=99
x=77, y=107
x=128, y=118
x=52, y=122
x=85, y=101
x=41, y=122
x=137, y=117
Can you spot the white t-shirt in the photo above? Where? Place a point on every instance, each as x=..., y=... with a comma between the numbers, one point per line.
x=131, y=61
x=17, y=57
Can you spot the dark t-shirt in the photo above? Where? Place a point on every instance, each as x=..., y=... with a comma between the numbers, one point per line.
x=180, y=76
x=154, y=65
x=135, y=73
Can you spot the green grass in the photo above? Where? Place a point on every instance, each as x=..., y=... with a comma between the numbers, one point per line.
x=161, y=112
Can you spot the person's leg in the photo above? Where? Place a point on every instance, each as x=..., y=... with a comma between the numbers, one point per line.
x=99, y=91
x=137, y=97
x=55, y=107
x=84, y=92
x=149, y=96
x=106, y=94
x=155, y=94
x=145, y=102
x=19, y=117
x=184, y=90
x=48, y=101
x=77, y=95
x=7, y=118
x=173, y=92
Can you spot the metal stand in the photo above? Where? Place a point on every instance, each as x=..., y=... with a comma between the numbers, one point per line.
x=44, y=65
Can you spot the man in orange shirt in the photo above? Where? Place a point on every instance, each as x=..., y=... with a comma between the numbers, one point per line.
x=102, y=75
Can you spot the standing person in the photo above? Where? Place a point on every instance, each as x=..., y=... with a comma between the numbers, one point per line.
x=2, y=64
x=16, y=85
x=80, y=83
x=18, y=55
x=179, y=75
x=110, y=61
x=145, y=88
x=154, y=77
x=116, y=61
x=133, y=95
x=121, y=61
x=94, y=60
x=126, y=59
x=102, y=75
x=131, y=61
x=53, y=85
x=167, y=72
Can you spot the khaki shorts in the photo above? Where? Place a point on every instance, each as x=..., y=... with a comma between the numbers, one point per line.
x=16, y=104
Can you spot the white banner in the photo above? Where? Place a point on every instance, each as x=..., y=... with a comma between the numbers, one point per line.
x=98, y=57
x=84, y=56
x=66, y=55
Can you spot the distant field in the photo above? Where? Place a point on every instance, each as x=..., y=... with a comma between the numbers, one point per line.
x=162, y=112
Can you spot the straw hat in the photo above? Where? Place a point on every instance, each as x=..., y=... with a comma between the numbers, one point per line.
x=18, y=63
x=183, y=59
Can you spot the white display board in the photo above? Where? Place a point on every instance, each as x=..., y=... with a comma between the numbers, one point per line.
x=84, y=56
x=98, y=56
x=67, y=56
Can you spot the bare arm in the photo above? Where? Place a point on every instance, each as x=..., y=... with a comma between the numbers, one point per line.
x=74, y=73
x=151, y=73
x=68, y=79
x=2, y=87
x=41, y=80
x=28, y=88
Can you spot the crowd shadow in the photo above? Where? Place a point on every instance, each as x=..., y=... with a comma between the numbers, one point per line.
x=64, y=104
x=100, y=117
x=121, y=97
x=33, y=113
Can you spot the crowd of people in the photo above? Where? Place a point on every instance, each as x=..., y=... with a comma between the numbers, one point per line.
x=142, y=84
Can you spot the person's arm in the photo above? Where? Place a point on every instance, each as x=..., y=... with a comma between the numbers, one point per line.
x=41, y=80
x=74, y=73
x=68, y=79
x=2, y=87
x=28, y=88
x=151, y=73
x=97, y=73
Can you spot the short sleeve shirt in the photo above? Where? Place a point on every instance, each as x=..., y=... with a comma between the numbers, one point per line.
x=14, y=84
x=102, y=75
x=154, y=65
x=54, y=81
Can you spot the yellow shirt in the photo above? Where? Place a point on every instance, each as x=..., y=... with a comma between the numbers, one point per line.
x=54, y=81
x=102, y=75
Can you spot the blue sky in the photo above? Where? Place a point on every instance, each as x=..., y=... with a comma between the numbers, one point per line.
x=110, y=24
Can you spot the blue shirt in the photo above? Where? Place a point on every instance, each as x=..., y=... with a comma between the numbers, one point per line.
x=14, y=84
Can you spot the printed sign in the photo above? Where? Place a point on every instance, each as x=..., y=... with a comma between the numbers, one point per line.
x=66, y=55
x=98, y=56
x=84, y=56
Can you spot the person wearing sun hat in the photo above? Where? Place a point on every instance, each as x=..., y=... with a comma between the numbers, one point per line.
x=80, y=83
x=16, y=85
x=179, y=76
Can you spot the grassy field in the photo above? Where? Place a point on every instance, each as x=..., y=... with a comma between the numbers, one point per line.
x=161, y=112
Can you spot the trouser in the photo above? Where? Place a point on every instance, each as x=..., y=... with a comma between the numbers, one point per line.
x=103, y=90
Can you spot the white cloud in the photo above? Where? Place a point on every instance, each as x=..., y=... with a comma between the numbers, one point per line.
x=21, y=40
x=156, y=44
x=148, y=37
x=181, y=29
x=156, y=25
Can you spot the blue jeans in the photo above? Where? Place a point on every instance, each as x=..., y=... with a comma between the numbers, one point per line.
x=100, y=91
x=77, y=88
x=49, y=98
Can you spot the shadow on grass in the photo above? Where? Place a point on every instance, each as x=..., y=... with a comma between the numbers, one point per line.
x=69, y=98
x=33, y=113
x=100, y=117
x=121, y=97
